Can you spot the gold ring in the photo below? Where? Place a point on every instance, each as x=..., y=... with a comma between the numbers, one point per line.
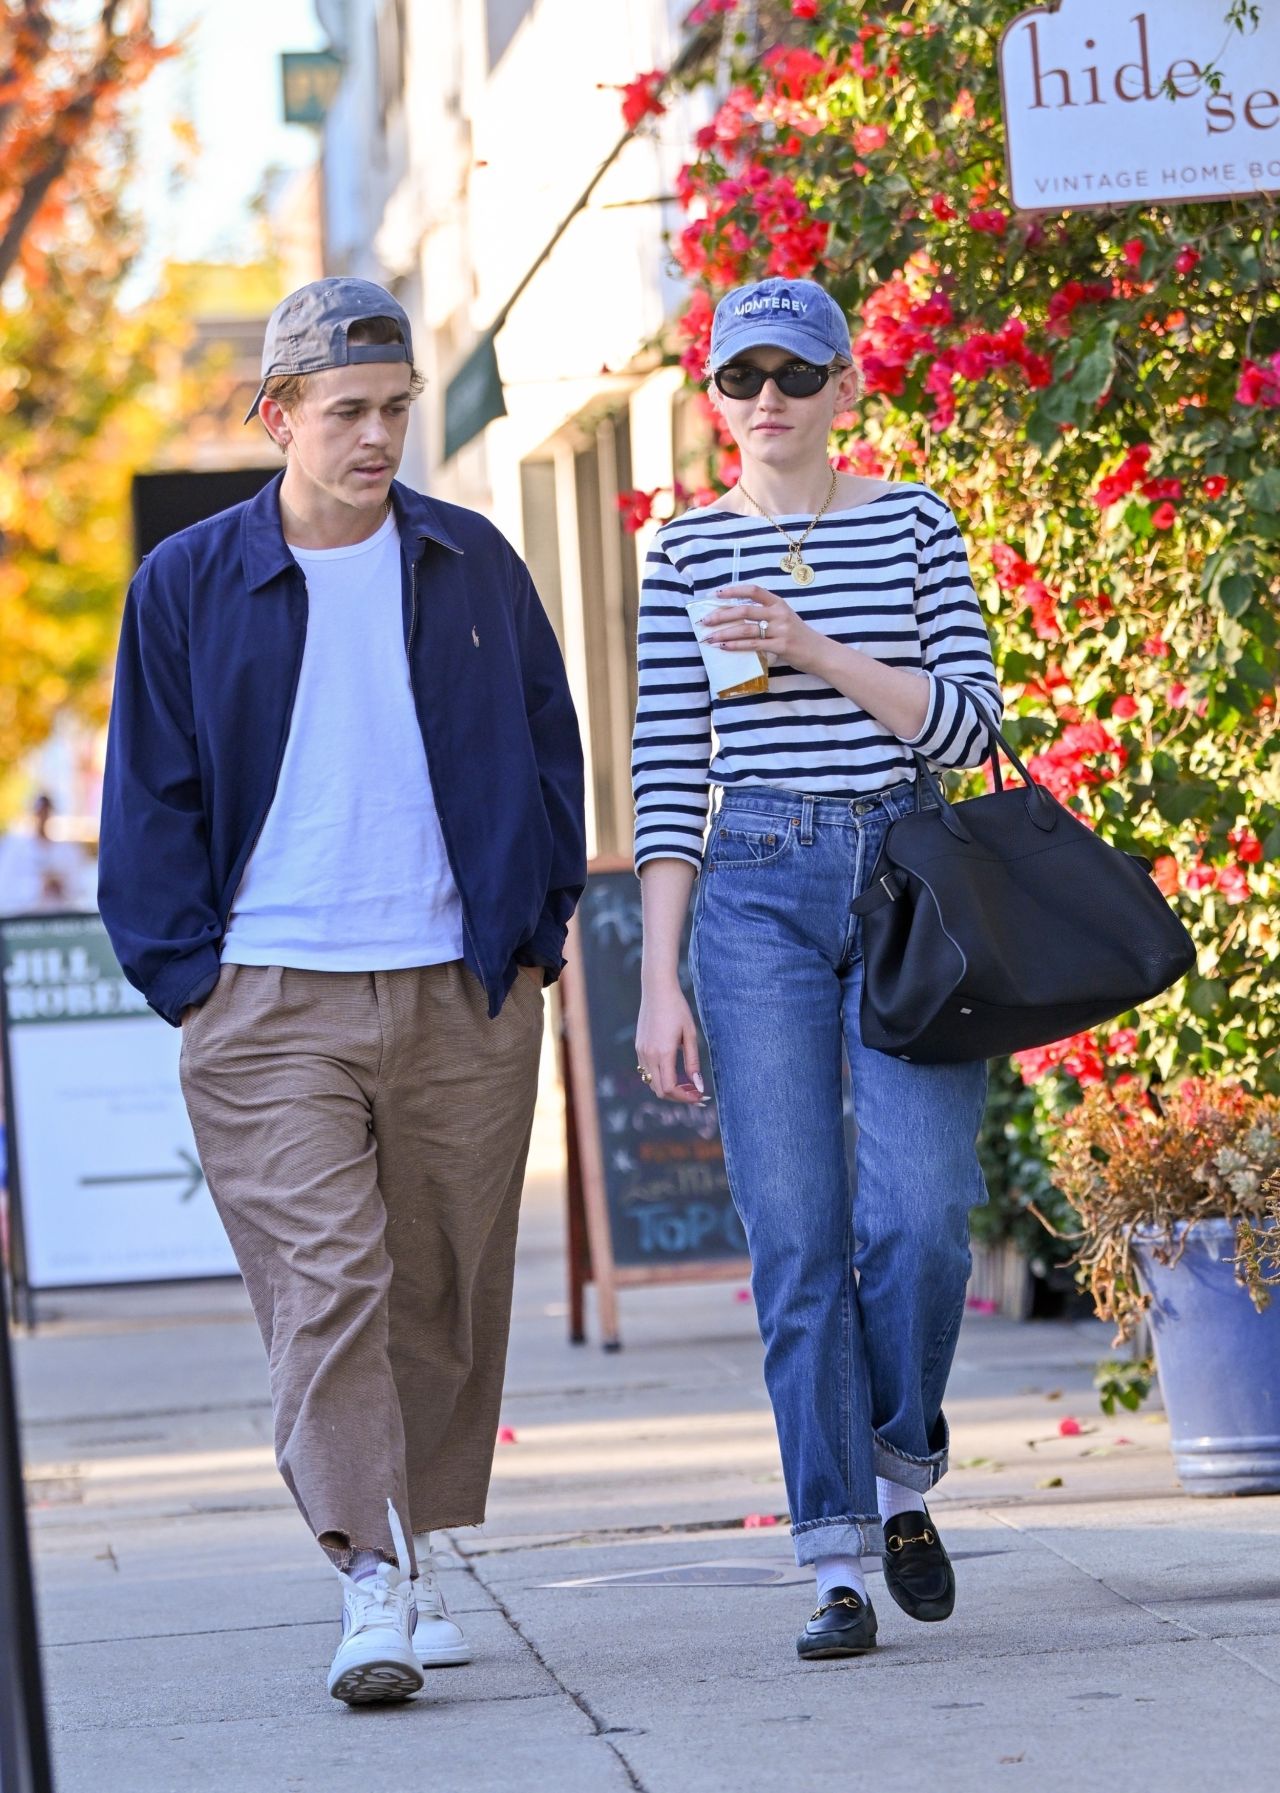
x=764, y=628
x=645, y=1076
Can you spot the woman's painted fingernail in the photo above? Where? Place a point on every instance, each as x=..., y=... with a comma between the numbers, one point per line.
x=699, y=1085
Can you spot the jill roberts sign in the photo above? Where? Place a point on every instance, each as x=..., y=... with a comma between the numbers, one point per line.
x=1108, y=104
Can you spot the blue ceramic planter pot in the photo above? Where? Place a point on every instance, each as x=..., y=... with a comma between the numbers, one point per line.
x=1219, y=1364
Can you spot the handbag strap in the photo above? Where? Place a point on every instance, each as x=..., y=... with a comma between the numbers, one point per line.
x=1041, y=809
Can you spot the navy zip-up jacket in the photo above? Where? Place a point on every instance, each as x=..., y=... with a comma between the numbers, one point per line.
x=210, y=652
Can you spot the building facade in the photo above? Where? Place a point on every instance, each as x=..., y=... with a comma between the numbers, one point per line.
x=456, y=156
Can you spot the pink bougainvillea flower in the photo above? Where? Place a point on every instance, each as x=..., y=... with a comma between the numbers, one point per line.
x=1186, y=259
x=1125, y=708
x=990, y=220
x=1178, y=695
x=1133, y=251
x=1201, y=876
x=867, y=138
x=1123, y=1043
x=1079, y=1056
x=942, y=208
x=1163, y=517
x=1233, y=883
x=636, y=508
x=506, y=1435
x=1121, y=481
x=1165, y=875
x=642, y=97
x=803, y=9
x=1069, y=1428
x=794, y=70
x=1246, y=845
x=742, y=1294
x=1215, y=484
x=755, y=1522
x=1012, y=572
x=1259, y=383
x=1161, y=488
x=1078, y=759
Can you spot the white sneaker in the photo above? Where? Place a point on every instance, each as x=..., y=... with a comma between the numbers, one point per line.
x=438, y=1639
x=376, y=1659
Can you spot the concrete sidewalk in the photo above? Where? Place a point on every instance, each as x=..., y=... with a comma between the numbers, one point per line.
x=1109, y=1630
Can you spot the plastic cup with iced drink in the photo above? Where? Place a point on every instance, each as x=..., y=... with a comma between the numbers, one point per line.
x=729, y=674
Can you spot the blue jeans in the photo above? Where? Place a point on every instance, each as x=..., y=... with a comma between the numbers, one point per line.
x=859, y=1281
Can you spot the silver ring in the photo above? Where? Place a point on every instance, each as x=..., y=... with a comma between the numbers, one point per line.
x=764, y=628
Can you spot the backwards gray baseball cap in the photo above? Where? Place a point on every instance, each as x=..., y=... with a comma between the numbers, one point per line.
x=798, y=315
x=308, y=331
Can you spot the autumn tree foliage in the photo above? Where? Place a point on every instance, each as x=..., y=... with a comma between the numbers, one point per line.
x=1098, y=395
x=72, y=365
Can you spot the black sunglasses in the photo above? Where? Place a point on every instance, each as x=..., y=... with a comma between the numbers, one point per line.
x=795, y=379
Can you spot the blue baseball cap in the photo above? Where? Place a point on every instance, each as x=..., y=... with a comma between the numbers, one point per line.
x=308, y=330
x=798, y=315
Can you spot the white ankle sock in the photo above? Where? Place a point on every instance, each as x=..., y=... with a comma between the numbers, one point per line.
x=892, y=1498
x=840, y=1572
x=364, y=1564
x=422, y=1551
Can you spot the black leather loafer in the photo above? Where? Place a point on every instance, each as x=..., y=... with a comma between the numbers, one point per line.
x=917, y=1570
x=844, y=1625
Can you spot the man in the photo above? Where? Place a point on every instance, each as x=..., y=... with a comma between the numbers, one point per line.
x=40, y=875
x=342, y=837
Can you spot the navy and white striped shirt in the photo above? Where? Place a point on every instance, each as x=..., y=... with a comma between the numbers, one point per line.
x=892, y=579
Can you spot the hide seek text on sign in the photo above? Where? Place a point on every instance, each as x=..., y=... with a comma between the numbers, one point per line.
x=1108, y=105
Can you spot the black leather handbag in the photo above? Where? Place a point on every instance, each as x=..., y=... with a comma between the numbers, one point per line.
x=1002, y=922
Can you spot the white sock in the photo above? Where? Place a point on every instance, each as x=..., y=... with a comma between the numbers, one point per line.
x=840, y=1572
x=364, y=1564
x=422, y=1551
x=892, y=1498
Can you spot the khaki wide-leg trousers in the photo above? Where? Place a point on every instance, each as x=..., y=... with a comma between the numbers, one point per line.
x=364, y=1137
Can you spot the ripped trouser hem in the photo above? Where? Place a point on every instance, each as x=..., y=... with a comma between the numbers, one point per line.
x=851, y=1534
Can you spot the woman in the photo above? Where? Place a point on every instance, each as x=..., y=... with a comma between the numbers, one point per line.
x=857, y=593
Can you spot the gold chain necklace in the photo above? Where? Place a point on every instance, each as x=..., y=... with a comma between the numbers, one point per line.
x=793, y=560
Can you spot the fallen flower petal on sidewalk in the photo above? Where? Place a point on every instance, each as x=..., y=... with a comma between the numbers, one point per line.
x=1069, y=1428
x=754, y=1521
x=506, y=1435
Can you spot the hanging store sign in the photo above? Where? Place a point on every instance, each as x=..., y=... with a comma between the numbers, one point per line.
x=309, y=79
x=1108, y=106
x=473, y=397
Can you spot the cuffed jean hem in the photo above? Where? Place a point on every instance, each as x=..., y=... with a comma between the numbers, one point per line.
x=917, y=1473
x=853, y=1534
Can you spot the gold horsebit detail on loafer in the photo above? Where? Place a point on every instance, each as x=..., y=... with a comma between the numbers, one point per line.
x=850, y=1600
x=925, y=1537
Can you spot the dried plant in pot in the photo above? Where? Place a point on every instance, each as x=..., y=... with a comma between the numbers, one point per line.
x=1176, y=1194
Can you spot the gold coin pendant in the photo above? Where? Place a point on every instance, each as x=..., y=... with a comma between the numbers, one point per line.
x=802, y=573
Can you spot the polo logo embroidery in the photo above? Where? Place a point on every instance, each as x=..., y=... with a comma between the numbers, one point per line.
x=475, y=636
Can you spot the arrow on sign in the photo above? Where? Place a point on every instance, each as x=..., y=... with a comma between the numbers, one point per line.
x=192, y=1175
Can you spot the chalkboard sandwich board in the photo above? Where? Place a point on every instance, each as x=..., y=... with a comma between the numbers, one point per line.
x=649, y=1199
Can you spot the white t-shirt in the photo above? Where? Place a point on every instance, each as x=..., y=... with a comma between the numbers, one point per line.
x=350, y=871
